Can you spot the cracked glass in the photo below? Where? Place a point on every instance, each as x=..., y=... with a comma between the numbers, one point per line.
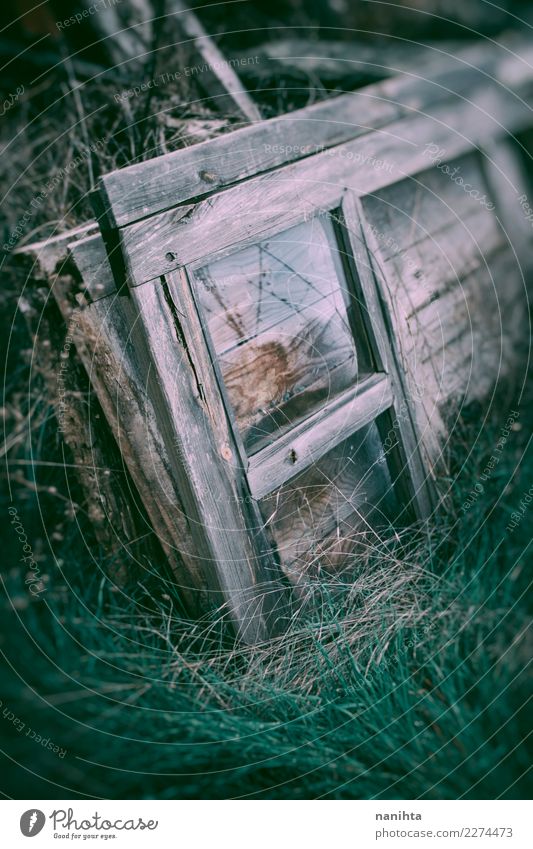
x=279, y=317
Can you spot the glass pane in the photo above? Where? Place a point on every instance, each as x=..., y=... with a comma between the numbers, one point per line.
x=321, y=514
x=278, y=320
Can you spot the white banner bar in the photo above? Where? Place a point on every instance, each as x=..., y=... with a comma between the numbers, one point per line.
x=268, y=824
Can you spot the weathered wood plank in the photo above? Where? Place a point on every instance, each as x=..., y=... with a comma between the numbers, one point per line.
x=416, y=471
x=102, y=335
x=250, y=212
x=321, y=432
x=150, y=187
x=216, y=73
x=203, y=457
x=456, y=343
x=92, y=455
x=508, y=182
x=439, y=262
x=91, y=259
x=103, y=340
x=48, y=253
x=403, y=212
x=334, y=62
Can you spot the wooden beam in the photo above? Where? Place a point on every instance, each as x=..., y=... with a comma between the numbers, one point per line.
x=188, y=234
x=147, y=188
x=102, y=333
x=327, y=428
x=215, y=75
x=236, y=563
x=374, y=290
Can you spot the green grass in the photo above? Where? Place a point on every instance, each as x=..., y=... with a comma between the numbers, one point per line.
x=409, y=682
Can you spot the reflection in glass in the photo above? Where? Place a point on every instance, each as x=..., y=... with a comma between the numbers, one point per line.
x=278, y=319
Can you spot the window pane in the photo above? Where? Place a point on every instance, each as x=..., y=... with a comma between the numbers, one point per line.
x=278, y=320
x=320, y=515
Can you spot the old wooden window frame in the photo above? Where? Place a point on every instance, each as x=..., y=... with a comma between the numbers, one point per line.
x=157, y=216
x=219, y=491
x=377, y=393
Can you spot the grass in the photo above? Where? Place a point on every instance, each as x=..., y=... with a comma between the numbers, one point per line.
x=409, y=682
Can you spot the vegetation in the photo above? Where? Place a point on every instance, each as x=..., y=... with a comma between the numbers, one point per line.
x=408, y=682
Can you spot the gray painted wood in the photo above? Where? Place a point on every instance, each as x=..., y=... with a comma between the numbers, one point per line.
x=333, y=62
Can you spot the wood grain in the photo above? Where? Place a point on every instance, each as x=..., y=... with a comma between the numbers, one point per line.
x=251, y=212
x=153, y=186
x=416, y=471
x=204, y=461
x=457, y=323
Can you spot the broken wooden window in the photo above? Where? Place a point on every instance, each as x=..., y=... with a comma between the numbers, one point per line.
x=293, y=344
x=279, y=321
x=275, y=379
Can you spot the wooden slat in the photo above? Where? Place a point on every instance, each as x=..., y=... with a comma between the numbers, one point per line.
x=250, y=212
x=91, y=260
x=419, y=275
x=404, y=213
x=507, y=179
x=107, y=343
x=215, y=74
x=202, y=454
x=307, y=442
x=415, y=469
x=337, y=62
x=448, y=331
x=49, y=253
x=103, y=336
x=150, y=187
